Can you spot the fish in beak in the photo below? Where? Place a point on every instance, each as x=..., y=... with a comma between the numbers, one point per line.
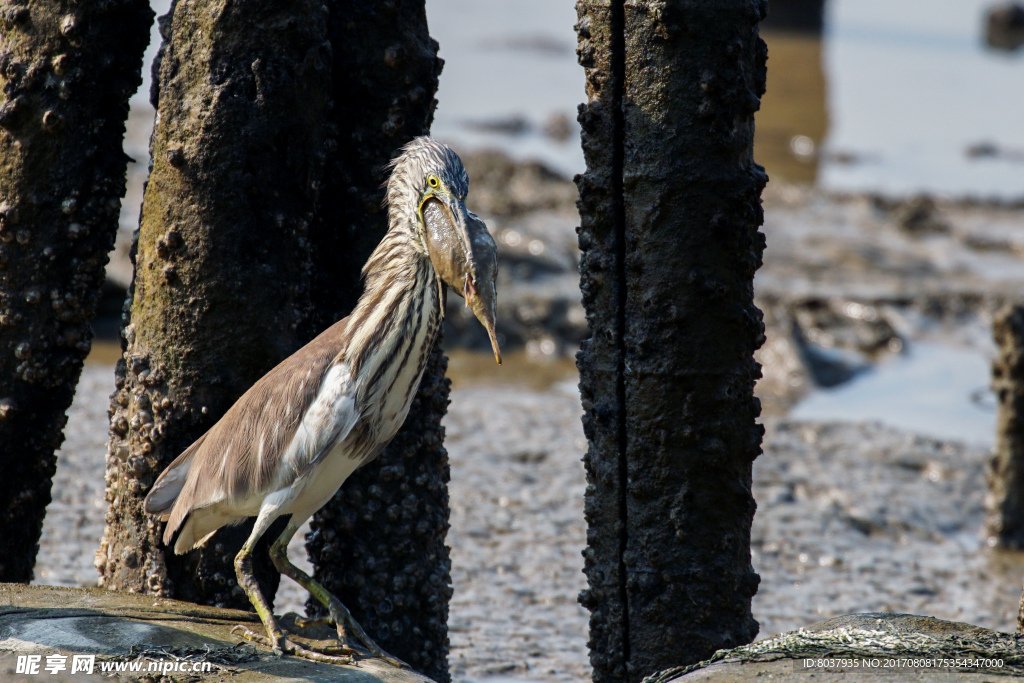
x=465, y=257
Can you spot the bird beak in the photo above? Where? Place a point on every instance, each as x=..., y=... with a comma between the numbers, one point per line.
x=479, y=288
x=483, y=309
x=465, y=256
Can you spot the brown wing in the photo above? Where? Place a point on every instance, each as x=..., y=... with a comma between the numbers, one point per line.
x=237, y=457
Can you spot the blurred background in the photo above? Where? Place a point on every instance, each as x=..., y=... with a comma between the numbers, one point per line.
x=893, y=135
x=863, y=95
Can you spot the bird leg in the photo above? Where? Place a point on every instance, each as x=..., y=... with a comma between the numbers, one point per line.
x=275, y=636
x=243, y=570
x=338, y=614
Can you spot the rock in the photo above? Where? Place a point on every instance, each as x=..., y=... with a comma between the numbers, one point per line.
x=512, y=125
x=121, y=627
x=872, y=646
x=559, y=127
x=818, y=342
x=990, y=150
x=1004, y=27
x=785, y=376
x=982, y=150
x=502, y=186
x=919, y=216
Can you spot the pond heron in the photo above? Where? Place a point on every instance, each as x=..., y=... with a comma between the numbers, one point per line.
x=287, y=445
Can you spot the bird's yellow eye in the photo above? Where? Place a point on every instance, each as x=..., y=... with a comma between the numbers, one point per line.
x=433, y=181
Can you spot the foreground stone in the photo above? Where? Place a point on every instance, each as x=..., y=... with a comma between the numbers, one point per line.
x=121, y=627
x=877, y=647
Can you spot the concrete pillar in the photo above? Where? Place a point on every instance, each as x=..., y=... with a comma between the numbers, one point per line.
x=670, y=209
x=223, y=266
x=67, y=70
x=1004, y=523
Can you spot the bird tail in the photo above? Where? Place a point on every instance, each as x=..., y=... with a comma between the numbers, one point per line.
x=171, y=481
x=196, y=528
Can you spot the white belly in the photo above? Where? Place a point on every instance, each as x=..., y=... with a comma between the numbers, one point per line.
x=320, y=485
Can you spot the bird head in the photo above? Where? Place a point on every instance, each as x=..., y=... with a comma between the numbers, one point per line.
x=460, y=248
x=465, y=257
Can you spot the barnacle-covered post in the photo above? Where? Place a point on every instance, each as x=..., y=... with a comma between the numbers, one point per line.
x=67, y=70
x=222, y=264
x=1004, y=523
x=670, y=209
x=379, y=544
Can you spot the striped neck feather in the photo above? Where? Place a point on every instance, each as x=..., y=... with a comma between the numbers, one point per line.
x=400, y=302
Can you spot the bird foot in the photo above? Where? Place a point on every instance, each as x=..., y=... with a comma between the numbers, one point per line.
x=329, y=654
x=305, y=622
x=345, y=624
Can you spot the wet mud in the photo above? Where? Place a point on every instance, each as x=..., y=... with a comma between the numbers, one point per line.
x=850, y=518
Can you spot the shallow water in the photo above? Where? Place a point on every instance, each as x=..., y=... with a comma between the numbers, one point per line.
x=911, y=88
x=890, y=100
x=930, y=389
x=507, y=60
x=850, y=518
